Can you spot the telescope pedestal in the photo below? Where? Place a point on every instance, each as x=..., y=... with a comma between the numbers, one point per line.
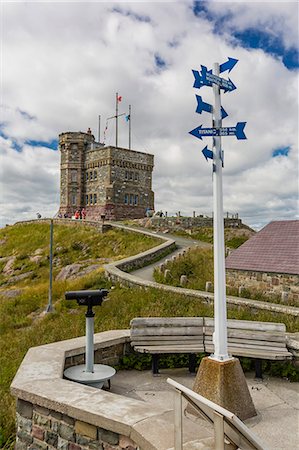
x=96, y=379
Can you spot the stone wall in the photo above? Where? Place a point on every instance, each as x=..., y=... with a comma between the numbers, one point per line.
x=174, y=223
x=285, y=286
x=40, y=428
x=56, y=413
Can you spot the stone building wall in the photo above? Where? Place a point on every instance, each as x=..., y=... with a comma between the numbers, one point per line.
x=110, y=181
x=285, y=286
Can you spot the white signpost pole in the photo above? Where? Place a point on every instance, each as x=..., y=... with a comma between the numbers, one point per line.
x=220, y=321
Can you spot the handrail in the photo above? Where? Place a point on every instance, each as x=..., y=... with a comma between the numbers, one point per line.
x=227, y=426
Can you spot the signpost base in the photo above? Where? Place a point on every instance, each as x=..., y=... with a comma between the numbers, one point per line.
x=224, y=383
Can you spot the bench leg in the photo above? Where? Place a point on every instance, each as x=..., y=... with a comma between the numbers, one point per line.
x=155, y=364
x=192, y=362
x=258, y=368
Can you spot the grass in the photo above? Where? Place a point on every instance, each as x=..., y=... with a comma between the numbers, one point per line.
x=73, y=243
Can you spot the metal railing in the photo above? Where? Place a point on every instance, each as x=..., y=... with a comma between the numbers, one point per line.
x=230, y=433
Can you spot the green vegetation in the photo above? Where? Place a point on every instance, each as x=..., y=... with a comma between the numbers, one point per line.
x=27, y=248
x=23, y=323
x=196, y=264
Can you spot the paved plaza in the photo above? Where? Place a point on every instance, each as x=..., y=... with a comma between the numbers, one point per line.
x=276, y=401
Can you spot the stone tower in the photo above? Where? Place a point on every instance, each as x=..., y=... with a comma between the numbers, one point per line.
x=111, y=181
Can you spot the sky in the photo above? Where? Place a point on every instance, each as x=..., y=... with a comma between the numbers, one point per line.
x=63, y=62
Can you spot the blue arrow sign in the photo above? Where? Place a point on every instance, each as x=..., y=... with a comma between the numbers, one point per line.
x=203, y=106
x=198, y=80
x=237, y=131
x=207, y=153
x=228, y=65
x=208, y=78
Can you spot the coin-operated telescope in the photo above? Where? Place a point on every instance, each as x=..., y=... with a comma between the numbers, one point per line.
x=91, y=374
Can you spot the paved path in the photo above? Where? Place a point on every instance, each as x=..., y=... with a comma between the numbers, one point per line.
x=146, y=273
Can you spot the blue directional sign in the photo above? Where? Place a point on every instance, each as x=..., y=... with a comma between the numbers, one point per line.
x=228, y=65
x=198, y=80
x=208, y=77
x=207, y=153
x=203, y=106
x=237, y=131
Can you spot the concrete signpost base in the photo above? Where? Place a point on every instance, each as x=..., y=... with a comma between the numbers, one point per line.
x=224, y=383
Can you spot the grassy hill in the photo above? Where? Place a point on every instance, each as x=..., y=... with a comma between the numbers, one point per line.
x=24, y=266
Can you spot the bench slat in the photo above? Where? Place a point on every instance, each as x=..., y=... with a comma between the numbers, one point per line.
x=170, y=349
x=251, y=334
x=167, y=343
x=198, y=338
x=250, y=353
x=249, y=325
x=249, y=342
x=167, y=331
x=166, y=321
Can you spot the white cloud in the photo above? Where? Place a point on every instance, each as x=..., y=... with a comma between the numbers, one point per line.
x=63, y=63
x=276, y=18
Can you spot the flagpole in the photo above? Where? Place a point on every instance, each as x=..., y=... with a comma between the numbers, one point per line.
x=116, y=120
x=130, y=118
x=99, y=137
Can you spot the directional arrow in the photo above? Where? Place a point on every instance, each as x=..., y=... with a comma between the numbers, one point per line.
x=203, y=106
x=199, y=132
x=223, y=113
x=207, y=153
x=237, y=131
x=228, y=65
x=208, y=78
x=199, y=81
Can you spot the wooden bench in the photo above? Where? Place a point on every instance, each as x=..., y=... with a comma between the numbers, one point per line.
x=162, y=335
x=193, y=335
x=251, y=339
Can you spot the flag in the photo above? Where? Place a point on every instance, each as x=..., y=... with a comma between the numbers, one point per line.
x=128, y=117
x=119, y=98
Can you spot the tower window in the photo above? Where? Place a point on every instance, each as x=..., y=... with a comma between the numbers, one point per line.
x=86, y=199
x=90, y=199
x=131, y=199
x=74, y=175
x=95, y=175
x=86, y=176
x=126, y=199
x=95, y=199
x=90, y=175
x=135, y=200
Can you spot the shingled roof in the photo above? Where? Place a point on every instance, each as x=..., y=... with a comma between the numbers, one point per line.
x=274, y=249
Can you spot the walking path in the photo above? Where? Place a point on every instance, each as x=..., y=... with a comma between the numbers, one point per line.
x=146, y=273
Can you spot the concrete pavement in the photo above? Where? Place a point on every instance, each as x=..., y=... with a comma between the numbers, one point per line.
x=276, y=401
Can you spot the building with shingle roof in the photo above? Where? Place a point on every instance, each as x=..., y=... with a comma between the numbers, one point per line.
x=268, y=261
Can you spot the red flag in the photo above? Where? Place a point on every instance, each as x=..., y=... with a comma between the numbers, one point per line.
x=119, y=98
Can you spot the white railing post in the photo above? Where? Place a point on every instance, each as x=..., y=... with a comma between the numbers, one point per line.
x=218, y=430
x=178, y=425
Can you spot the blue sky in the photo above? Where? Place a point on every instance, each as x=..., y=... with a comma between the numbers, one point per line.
x=74, y=57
